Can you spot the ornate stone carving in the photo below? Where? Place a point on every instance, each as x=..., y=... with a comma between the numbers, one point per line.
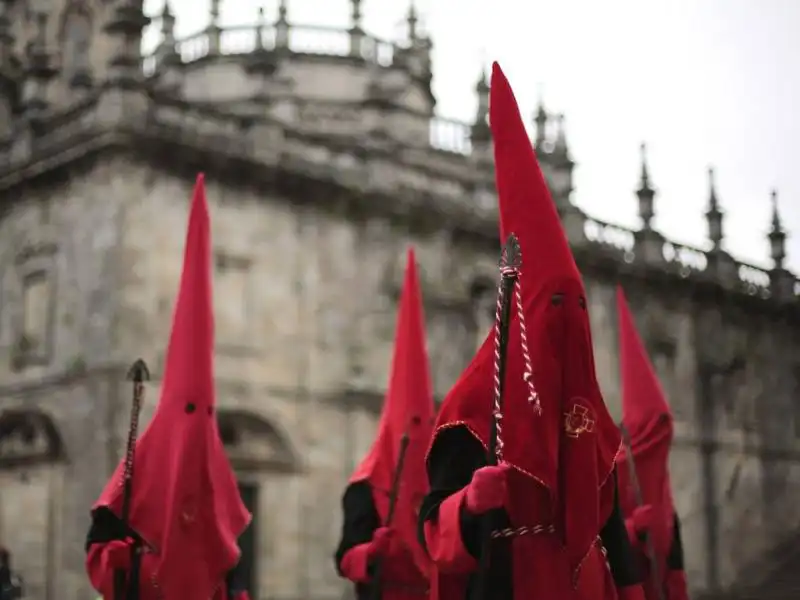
x=76, y=40
x=33, y=325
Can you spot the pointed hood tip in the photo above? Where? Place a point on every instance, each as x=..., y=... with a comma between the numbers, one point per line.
x=499, y=80
x=411, y=264
x=200, y=179
x=199, y=203
x=505, y=117
x=524, y=202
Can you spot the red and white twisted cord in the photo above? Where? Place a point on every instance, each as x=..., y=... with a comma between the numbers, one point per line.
x=527, y=375
x=511, y=271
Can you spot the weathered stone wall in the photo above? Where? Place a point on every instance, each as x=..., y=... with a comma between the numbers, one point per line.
x=305, y=303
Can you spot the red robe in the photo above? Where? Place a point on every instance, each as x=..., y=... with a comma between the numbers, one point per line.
x=648, y=419
x=106, y=527
x=408, y=410
x=185, y=506
x=560, y=441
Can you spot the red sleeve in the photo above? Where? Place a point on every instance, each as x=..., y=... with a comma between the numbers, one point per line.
x=443, y=538
x=355, y=563
x=101, y=575
x=632, y=592
x=242, y=596
x=633, y=536
x=676, y=586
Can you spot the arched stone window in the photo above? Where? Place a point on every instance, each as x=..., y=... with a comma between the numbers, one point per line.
x=28, y=437
x=253, y=443
x=76, y=46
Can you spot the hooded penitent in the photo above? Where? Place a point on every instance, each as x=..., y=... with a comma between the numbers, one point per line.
x=557, y=433
x=408, y=409
x=185, y=503
x=648, y=420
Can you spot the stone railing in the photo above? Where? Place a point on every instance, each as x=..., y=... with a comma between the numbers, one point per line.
x=302, y=39
x=450, y=135
x=686, y=260
x=62, y=132
x=447, y=135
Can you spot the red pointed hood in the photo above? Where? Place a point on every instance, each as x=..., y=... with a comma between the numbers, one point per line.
x=648, y=420
x=185, y=501
x=408, y=408
x=570, y=448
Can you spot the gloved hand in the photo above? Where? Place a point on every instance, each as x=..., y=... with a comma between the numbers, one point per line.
x=381, y=541
x=118, y=553
x=487, y=490
x=642, y=518
x=676, y=586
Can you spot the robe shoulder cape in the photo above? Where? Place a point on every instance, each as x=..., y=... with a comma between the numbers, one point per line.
x=360, y=521
x=107, y=527
x=455, y=456
x=400, y=576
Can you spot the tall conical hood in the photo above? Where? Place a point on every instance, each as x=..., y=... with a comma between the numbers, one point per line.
x=185, y=501
x=189, y=361
x=407, y=410
x=526, y=208
x=645, y=410
x=555, y=428
x=648, y=419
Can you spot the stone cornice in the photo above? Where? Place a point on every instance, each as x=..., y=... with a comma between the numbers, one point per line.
x=358, y=177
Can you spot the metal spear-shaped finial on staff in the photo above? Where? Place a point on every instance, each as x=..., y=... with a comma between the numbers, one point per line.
x=637, y=490
x=510, y=263
x=137, y=374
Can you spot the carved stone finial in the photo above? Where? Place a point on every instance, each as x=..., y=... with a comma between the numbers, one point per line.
x=39, y=69
x=262, y=61
x=261, y=28
x=167, y=20
x=713, y=201
x=356, y=29
x=644, y=177
x=714, y=214
x=777, y=234
x=645, y=193
x=413, y=20
x=481, y=135
x=10, y=72
x=282, y=28
x=355, y=14
x=214, y=31
x=540, y=118
x=124, y=29
x=560, y=145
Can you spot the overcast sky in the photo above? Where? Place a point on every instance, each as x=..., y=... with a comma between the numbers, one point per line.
x=703, y=82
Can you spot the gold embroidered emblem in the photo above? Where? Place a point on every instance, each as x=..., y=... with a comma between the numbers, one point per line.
x=578, y=421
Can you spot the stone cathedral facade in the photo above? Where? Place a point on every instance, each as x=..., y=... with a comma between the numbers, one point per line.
x=323, y=159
